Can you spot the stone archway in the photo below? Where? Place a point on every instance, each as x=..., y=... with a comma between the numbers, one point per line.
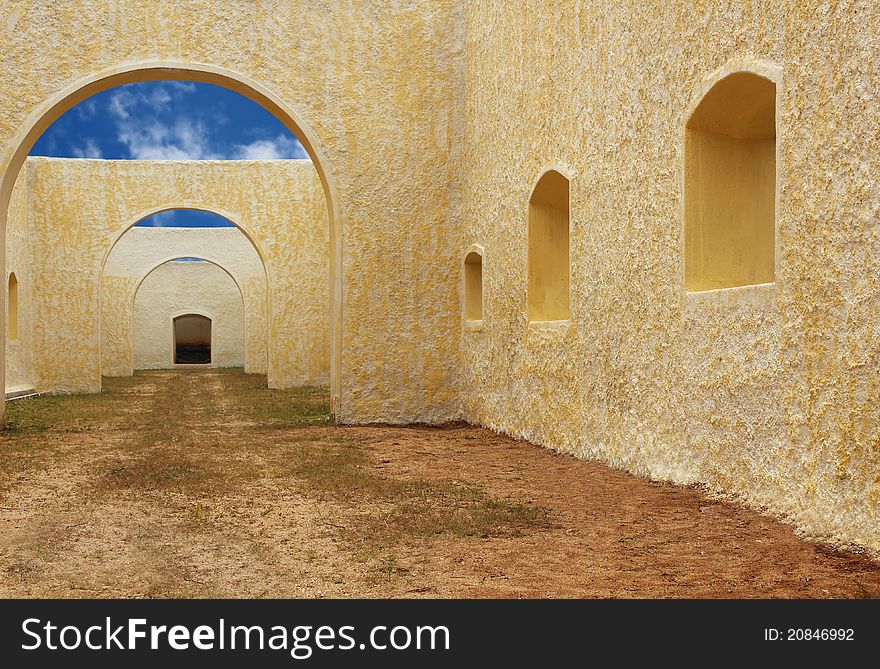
x=46, y=112
x=149, y=260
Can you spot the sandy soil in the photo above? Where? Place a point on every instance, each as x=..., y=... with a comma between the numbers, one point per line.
x=205, y=484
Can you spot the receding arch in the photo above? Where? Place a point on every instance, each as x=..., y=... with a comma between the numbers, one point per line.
x=188, y=206
x=548, y=249
x=232, y=218
x=169, y=259
x=730, y=180
x=189, y=310
x=172, y=258
x=80, y=89
x=12, y=307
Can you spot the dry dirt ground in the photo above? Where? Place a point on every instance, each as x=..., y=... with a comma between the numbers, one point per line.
x=206, y=484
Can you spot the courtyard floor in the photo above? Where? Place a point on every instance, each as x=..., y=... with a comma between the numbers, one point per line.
x=206, y=484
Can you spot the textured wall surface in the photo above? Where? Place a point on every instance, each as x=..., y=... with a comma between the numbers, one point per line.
x=378, y=84
x=141, y=249
x=766, y=393
x=19, y=374
x=177, y=288
x=117, y=306
x=435, y=120
x=79, y=208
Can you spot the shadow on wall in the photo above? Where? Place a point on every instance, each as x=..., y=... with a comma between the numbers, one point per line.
x=473, y=286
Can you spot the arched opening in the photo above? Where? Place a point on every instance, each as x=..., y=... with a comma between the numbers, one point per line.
x=473, y=286
x=549, y=264
x=142, y=248
x=730, y=185
x=49, y=110
x=192, y=340
x=12, y=308
x=181, y=287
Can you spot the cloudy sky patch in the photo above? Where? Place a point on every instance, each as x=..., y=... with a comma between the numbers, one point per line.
x=169, y=120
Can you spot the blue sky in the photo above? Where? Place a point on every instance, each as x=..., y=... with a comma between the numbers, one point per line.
x=169, y=120
x=185, y=218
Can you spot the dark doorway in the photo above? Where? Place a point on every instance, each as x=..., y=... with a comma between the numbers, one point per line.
x=192, y=340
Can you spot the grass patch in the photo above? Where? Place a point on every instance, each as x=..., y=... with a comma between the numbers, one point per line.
x=72, y=412
x=460, y=510
x=34, y=428
x=61, y=413
x=278, y=409
x=863, y=592
x=159, y=470
x=167, y=453
x=204, y=434
x=199, y=517
x=340, y=469
x=22, y=570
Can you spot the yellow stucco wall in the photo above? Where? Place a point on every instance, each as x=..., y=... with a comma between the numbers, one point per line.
x=79, y=208
x=767, y=393
x=376, y=84
x=19, y=370
x=434, y=121
x=117, y=345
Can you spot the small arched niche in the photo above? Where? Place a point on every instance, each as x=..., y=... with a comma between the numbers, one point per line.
x=549, y=268
x=12, y=307
x=730, y=185
x=192, y=339
x=473, y=286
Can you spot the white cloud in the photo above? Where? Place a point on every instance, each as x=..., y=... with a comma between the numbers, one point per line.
x=181, y=86
x=138, y=126
x=158, y=98
x=87, y=109
x=270, y=149
x=52, y=145
x=155, y=98
x=120, y=102
x=142, y=119
x=163, y=218
x=90, y=150
x=185, y=140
